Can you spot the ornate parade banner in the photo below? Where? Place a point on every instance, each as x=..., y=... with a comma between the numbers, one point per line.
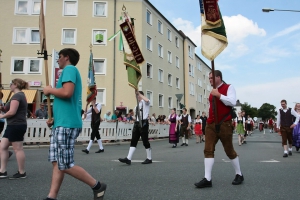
x=213, y=38
x=211, y=10
x=133, y=45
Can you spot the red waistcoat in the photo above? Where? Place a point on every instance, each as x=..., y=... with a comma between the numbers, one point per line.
x=223, y=110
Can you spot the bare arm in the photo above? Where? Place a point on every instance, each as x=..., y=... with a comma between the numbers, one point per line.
x=14, y=105
x=65, y=92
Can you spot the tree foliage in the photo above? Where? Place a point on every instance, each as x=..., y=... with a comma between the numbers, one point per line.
x=249, y=110
x=266, y=111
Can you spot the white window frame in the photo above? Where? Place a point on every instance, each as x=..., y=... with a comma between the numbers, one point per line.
x=104, y=43
x=190, y=51
x=199, y=67
x=105, y=8
x=177, y=62
x=162, y=100
x=30, y=35
x=150, y=17
x=162, y=75
x=161, y=31
x=170, y=103
x=30, y=7
x=151, y=70
x=169, y=35
x=191, y=88
x=104, y=96
x=177, y=105
x=199, y=82
x=177, y=41
x=170, y=82
x=76, y=7
x=177, y=82
x=151, y=96
x=28, y=32
x=63, y=36
x=26, y=65
x=200, y=98
x=104, y=65
x=149, y=48
x=169, y=56
x=162, y=51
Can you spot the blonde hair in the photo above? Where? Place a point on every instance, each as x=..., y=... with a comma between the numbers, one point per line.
x=296, y=106
x=20, y=83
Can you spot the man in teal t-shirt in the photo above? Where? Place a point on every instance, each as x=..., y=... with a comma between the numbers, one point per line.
x=67, y=125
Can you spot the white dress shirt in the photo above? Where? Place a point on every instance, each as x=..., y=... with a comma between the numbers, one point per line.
x=146, y=108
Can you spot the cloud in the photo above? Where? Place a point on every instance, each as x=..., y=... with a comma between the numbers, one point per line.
x=272, y=92
x=272, y=54
x=286, y=31
x=238, y=28
x=188, y=28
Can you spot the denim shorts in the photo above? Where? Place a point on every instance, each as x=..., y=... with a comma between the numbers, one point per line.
x=62, y=146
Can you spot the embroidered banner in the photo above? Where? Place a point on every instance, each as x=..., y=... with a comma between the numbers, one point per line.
x=211, y=10
x=133, y=45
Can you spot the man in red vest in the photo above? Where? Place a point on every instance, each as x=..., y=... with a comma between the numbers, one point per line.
x=270, y=124
x=225, y=98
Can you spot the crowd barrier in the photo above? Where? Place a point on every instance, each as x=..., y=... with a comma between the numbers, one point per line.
x=38, y=131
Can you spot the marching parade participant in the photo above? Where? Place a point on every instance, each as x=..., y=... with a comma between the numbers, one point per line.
x=95, y=109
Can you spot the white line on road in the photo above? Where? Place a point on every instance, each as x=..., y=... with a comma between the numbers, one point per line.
x=272, y=161
x=138, y=161
x=226, y=160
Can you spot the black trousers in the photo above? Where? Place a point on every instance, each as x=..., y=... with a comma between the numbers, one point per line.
x=95, y=130
x=138, y=132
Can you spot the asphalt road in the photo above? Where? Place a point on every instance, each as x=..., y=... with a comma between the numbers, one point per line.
x=267, y=174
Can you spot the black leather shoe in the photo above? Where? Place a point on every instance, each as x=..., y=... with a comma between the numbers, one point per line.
x=285, y=155
x=85, y=151
x=182, y=144
x=186, y=145
x=244, y=142
x=147, y=161
x=100, y=151
x=174, y=146
x=203, y=183
x=125, y=160
x=238, y=180
x=290, y=153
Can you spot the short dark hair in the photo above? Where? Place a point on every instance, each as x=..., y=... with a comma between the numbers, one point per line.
x=218, y=73
x=72, y=53
x=184, y=109
x=141, y=92
x=174, y=109
x=283, y=100
x=1, y=95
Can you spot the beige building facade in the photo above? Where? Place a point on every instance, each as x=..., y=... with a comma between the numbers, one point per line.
x=75, y=24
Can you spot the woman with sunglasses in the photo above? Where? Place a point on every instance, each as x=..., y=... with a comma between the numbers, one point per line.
x=15, y=113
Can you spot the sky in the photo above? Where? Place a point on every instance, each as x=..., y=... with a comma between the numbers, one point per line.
x=263, y=52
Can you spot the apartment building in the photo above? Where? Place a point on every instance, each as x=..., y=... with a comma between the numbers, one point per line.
x=75, y=24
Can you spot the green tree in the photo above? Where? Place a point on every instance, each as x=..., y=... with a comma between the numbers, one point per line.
x=266, y=111
x=252, y=111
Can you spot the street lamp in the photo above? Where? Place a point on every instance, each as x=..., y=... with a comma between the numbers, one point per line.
x=270, y=9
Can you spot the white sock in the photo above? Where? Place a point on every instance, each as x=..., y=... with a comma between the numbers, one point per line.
x=285, y=151
x=100, y=144
x=236, y=165
x=187, y=141
x=183, y=139
x=148, y=151
x=130, y=153
x=290, y=149
x=90, y=145
x=208, y=164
